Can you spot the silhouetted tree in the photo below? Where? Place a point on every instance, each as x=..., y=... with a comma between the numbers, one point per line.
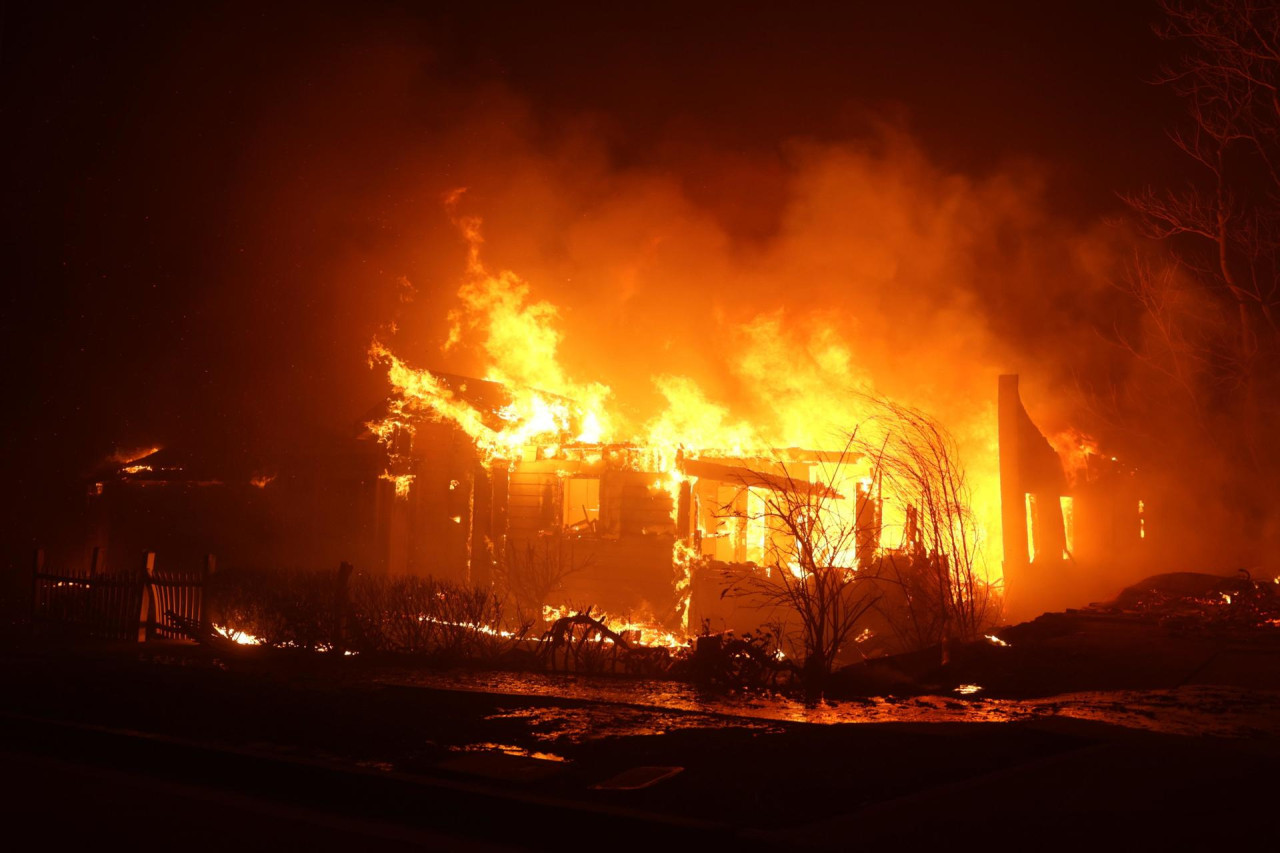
x=1204, y=388
x=808, y=567
x=1210, y=323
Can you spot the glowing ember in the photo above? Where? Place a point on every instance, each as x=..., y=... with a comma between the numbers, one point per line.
x=509, y=749
x=470, y=626
x=236, y=636
x=636, y=632
x=131, y=455
x=402, y=482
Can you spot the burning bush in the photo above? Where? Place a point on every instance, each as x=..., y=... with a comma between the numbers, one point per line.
x=1194, y=602
x=321, y=611
x=281, y=608
x=426, y=616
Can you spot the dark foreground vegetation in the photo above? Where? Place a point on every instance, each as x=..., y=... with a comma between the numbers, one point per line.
x=393, y=708
x=1158, y=634
x=1143, y=638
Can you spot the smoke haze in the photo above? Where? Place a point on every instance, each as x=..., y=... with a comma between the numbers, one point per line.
x=243, y=202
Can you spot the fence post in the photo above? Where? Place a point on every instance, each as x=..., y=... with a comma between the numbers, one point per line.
x=342, y=600
x=205, y=619
x=95, y=611
x=146, y=619
x=37, y=569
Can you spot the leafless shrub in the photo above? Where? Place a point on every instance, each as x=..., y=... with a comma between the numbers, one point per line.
x=283, y=608
x=945, y=593
x=535, y=568
x=387, y=614
x=809, y=566
x=429, y=617
x=320, y=611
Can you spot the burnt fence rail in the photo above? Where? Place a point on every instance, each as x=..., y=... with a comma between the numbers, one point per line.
x=132, y=605
x=177, y=594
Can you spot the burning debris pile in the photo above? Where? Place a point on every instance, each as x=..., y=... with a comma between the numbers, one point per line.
x=1198, y=603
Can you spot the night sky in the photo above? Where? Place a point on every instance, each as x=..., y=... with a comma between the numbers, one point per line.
x=208, y=208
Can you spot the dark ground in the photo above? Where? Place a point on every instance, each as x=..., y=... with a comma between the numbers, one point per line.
x=176, y=745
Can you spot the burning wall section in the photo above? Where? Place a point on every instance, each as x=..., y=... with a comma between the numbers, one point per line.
x=1075, y=521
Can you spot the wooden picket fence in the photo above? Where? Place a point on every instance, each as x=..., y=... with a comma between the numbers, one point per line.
x=133, y=605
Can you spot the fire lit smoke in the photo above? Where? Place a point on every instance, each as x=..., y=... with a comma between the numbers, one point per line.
x=704, y=300
x=653, y=273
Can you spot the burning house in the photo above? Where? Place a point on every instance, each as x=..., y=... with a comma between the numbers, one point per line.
x=516, y=488
x=559, y=494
